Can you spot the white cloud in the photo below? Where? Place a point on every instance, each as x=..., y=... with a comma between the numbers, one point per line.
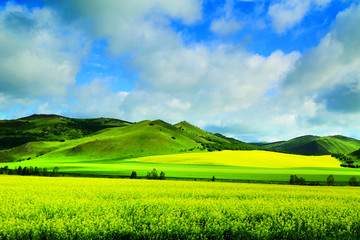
x=131, y=25
x=285, y=14
x=36, y=59
x=95, y=99
x=205, y=83
x=336, y=60
x=323, y=88
x=215, y=81
x=288, y=13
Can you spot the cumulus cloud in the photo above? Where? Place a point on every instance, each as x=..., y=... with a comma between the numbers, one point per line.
x=130, y=26
x=36, y=59
x=217, y=86
x=201, y=83
x=334, y=61
x=286, y=14
x=327, y=78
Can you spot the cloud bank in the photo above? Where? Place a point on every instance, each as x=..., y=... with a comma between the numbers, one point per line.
x=217, y=85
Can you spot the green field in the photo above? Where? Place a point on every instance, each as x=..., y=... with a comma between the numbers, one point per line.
x=227, y=165
x=88, y=208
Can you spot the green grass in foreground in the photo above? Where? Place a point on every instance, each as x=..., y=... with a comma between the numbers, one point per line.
x=87, y=208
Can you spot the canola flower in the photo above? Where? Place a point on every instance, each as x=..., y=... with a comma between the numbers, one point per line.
x=90, y=208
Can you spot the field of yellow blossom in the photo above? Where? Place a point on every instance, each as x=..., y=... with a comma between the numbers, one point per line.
x=96, y=208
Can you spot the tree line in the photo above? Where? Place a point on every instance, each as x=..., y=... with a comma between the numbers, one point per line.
x=330, y=181
x=29, y=171
x=150, y=175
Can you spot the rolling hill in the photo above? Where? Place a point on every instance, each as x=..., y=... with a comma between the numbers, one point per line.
x=315, y=145
x=145, y=138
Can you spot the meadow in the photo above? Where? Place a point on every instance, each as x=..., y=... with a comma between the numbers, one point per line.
x=255, y=166
x=88, y=208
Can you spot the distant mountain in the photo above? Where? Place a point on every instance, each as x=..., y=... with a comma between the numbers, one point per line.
x=116, y=140
x=50, y=127
x=315, y=145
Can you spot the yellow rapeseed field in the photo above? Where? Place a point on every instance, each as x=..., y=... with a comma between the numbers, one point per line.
x=264, y=159
x=86, y=208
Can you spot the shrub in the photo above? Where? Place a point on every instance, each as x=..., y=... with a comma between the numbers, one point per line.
x=55, y=171
x=352, y=181
x=330, y=180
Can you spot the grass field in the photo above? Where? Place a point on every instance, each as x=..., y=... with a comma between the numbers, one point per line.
x=231, y=165
x=88, y=208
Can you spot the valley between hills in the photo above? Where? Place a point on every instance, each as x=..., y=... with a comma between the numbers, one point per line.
x=115, y=148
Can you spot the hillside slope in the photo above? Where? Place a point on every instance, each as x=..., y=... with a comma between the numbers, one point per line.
x=43, y=127
x=315, y=145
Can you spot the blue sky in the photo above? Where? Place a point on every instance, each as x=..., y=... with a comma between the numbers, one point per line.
x=254, y=70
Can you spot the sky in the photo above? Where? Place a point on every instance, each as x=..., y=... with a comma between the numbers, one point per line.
x=254, y=70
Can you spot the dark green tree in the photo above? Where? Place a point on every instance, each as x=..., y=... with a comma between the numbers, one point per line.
x=148, y=175
x=293, y=179
x=55, y=171
x=154, y=174
x=25, y=171
x=6, y=169
x=31, y=170
x=36, y=171
x=213, y=179
x=352, y=181
x=162, y=176
x=133, y=175
x=45, y=172
x=330, y=180
x=19, y=171
x=302, y=181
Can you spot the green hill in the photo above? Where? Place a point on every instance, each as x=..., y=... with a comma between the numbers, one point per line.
x=315, y=145
x=43, y=127
x=146, y=138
